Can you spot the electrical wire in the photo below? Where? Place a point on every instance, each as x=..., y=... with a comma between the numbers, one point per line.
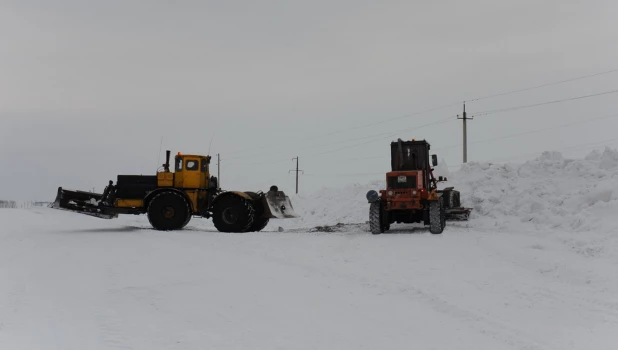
x=543, y=85
x=531, y=131
x=480, y=114
x=374, y=138
x=438, y=108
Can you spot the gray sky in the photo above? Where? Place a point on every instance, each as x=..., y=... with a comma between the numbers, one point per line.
x=89, y=88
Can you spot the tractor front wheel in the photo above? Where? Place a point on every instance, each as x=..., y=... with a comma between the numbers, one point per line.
x=233, y=213
x=375, y=218
x=168, y=211
x=437, y=216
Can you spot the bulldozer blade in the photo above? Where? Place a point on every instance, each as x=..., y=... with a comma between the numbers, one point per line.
x=86, y=203
x=458, y=214
x=277, y=206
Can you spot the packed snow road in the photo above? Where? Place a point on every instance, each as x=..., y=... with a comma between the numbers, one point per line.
x=68, y=281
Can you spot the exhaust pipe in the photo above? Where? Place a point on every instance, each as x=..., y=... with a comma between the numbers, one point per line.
x=166, y=166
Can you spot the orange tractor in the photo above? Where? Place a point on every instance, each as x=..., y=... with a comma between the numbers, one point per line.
x=411, y=194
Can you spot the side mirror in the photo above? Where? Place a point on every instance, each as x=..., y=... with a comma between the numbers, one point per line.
x=434, y=159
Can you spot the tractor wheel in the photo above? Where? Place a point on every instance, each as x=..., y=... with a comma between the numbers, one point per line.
x=168, y=211
x=437, y=216
x=375, y=218
x=258, y=224
x=187, y=221
x=233, y=213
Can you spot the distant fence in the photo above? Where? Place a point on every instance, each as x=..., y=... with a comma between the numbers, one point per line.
x=22, y=204
x=8, y=204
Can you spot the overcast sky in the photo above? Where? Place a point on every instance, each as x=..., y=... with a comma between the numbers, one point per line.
x=88, y=88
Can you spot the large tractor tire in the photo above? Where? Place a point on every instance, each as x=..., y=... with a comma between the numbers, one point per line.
x=375, y=218
x=437, y=216
x=232, y=213
x=186, y=221
x=258, y=222
x=168, y=211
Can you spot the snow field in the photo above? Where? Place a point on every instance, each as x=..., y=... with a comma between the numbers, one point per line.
x=534, y=268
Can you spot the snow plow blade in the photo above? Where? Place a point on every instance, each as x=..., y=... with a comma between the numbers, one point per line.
x=458, y=214
x=86, y=203
x=277, y=205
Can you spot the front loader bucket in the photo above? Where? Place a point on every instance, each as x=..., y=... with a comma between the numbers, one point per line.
x=81, y=202
x=277, y=206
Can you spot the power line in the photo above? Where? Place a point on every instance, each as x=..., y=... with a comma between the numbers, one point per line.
x=397, y=118
x=442, y=121
x=543, y=85
x=374, y=138
x=476, y=99
x=441, y=107
x=349, y=129
x=542, y=103
x=533, y=131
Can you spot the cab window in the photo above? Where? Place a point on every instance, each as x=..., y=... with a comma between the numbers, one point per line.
x=204, y=165
x=191, y=165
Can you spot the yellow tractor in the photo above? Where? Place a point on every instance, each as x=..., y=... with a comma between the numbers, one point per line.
x=170, y=199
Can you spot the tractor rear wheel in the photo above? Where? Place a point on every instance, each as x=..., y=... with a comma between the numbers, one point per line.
x=232, y=213
x=258, y=224
x=168, y=211
x=375, y=218
x=437, y=216
x=186, y=221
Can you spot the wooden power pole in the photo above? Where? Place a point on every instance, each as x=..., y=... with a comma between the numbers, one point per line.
x=465, y=133
x=297, y=171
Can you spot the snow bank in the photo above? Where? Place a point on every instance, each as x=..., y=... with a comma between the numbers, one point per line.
x=547, y=192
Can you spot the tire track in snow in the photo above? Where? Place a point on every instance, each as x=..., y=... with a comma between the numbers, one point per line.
x=500, y=331
x=558, y=295
x=109, y=323
x=110, y=327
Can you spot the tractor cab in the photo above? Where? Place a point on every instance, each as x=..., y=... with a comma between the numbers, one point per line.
x=410, y=167
x=191, y=171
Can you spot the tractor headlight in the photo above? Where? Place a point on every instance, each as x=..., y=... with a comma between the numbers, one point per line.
x=390, y=193
x=414, y=192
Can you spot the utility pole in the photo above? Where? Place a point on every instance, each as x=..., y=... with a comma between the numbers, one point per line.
x=218, y=171
x=296, y=173
x=465, y=133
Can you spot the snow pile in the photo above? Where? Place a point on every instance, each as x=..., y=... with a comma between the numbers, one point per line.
x=547, y=192
x=330, y=206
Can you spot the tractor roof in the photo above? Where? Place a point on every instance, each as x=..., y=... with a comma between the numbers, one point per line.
x=191, y=155
x=411, y=142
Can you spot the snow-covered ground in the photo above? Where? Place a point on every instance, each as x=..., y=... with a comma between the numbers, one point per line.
x=534, y=268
